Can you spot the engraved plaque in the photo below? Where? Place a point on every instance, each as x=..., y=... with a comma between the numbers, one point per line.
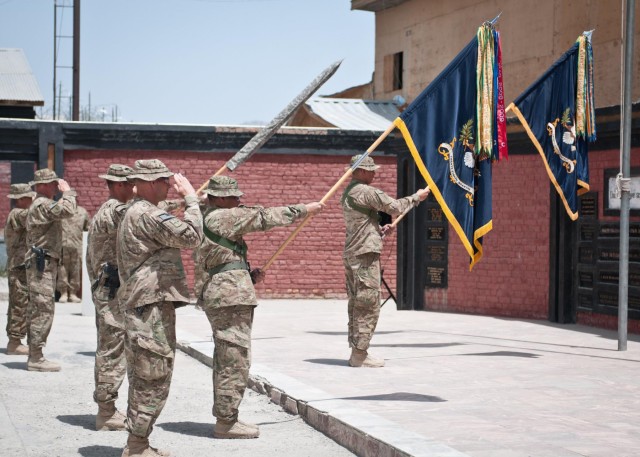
x=435, y=215
x=436, y=233
x=437, y=253
x=588, y=232
x=589, y=206
x=585, y=299
x=612, y=277
x=610, y=231
x=585, y=278
x=611, y=253
x=608, y=297
x=585, y=254
x=436, y=276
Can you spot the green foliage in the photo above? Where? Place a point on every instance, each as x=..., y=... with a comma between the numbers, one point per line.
x=466, y=133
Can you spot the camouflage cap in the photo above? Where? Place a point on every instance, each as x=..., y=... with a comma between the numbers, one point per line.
x=223, y=186
x=367, y=164
x=117, y=172
x=20, y=191
x=43, y=176
x=149, y=170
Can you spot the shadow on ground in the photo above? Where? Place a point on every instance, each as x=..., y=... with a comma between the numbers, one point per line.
x=100, y=451
x=86, y=421
x=338, y=362
x=204, y=430
x=16, y=365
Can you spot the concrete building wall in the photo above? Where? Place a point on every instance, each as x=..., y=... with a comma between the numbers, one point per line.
x=430, y=33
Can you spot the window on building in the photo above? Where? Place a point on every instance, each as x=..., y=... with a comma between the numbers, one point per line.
x=393, y=71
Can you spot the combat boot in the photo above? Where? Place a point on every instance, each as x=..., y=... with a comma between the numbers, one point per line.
x=63, y=298
x=15, y=347
x=37, y=362
x=73, y=298
x=139, y=447
x=235, y=430
x=361, y=358
x=109, y=418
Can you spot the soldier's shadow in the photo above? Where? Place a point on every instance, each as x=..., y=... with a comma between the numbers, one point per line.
x=86, y=421
x=100, y=451
x=203, y=430
x=16, y=365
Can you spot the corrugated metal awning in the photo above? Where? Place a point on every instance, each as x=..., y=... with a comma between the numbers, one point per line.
x=354, y=114
x=18, y=85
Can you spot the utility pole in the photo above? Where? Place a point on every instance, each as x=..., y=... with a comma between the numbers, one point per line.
x=76, y=61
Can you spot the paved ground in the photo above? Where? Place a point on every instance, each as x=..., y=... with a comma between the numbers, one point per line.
x=453, y=384
x=53, y=414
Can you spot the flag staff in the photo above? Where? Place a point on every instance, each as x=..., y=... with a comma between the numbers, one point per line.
x=623, y=180
x=332, y=191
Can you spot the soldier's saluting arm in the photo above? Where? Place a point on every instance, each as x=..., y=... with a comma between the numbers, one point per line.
x=171, y=231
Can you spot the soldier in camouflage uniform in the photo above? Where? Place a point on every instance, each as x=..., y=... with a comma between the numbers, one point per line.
x=110, y=366
x=44, y=241
x=15, y=237
x=70, y=268
x=152, y=284
x=363, y=244
x=228, y=297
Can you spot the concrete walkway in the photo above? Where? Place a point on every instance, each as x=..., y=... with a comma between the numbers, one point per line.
x=453, y=384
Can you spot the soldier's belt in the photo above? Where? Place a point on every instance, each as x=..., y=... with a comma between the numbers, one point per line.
x=239, y=265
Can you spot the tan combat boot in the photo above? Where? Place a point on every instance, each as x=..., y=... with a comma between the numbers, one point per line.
x=139, y=447
x=37, y=362
x=15, y=347
x=73, y=298
x=361, y=358
x=63, y=298
x=109, y=418
x=235, y=430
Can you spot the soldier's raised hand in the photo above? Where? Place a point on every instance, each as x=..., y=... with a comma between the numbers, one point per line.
x=63, y=186
x=314, y=208
x=183, y=186
x=423, y=193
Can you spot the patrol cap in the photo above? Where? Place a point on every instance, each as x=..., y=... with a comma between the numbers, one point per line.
x=20, y=191
x=117, y=172
x=367, y=164
x=223, y=186
x=149, y=170
x=43, y=176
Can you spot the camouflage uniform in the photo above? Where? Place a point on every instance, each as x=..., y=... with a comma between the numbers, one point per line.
x=110, y=365
x=227, y=295
x=70, y=267
x=44, y=230
x=152, y=284
x=15, y=236
x=363, y=244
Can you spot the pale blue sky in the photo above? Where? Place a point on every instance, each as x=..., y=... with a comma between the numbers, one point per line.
x=195, y=61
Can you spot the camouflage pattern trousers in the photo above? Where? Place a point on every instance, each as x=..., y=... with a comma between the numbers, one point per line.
x=362, y=274
x=70, y=270
x=150, y=349
x=18, y=303
x=41, y=302
x=231, y=327
x=111, y=362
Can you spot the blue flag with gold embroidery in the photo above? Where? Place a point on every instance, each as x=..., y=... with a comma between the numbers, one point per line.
x=454, y=134
x=557, y=113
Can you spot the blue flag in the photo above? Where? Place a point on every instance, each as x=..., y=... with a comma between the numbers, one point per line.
x=451, y=129
x=558, y=115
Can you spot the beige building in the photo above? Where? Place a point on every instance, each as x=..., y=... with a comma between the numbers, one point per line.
x=416, y=39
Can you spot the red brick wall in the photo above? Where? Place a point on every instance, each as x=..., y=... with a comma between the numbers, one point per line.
x=512, y=279
x=311, y=266
x=5, y=184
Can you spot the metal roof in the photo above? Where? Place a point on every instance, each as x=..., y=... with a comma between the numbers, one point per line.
x=18, y=85
x=354, y=114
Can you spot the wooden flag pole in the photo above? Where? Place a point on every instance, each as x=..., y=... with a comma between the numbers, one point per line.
x=329, y=194
x=218, y=173
x=399, y=218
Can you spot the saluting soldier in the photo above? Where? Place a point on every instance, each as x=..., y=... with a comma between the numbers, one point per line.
x=44, y=241
x=228, y=296
x=360, y=204
x=152, y=285
x=15, y=236
x=102, y=266
x=70, y=268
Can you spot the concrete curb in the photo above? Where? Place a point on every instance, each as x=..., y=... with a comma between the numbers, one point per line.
x=362, y=433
